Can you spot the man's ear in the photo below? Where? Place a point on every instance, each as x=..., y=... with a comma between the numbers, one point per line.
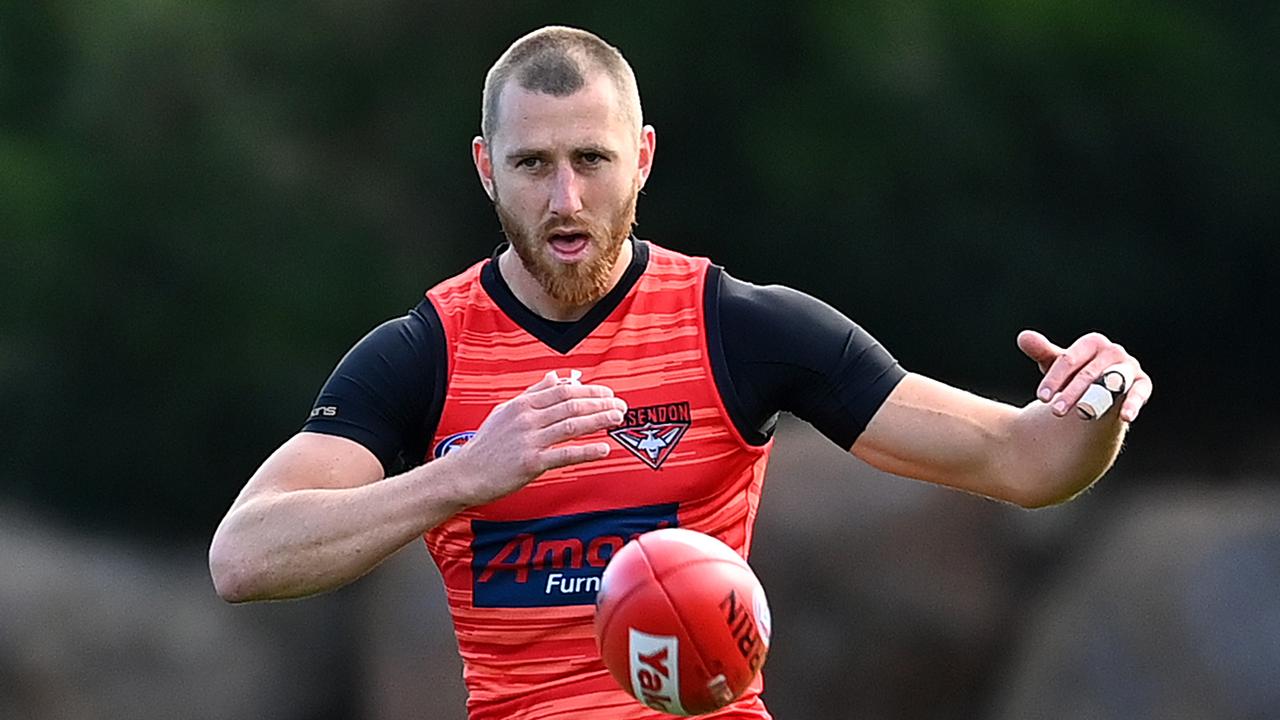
x=484, y=164
x=648, y=143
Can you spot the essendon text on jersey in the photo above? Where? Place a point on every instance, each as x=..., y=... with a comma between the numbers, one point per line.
x=652, y=432
x=676, y=412
x=555, y=560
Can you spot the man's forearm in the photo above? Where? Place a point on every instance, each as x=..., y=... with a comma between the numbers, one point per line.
x=316, y=515
x=302, y=542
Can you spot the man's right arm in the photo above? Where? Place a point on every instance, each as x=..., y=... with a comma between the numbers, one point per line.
x=318, y=513
x=315, y=516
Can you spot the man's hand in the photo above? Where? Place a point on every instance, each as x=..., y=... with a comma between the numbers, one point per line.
x=522, y=437
x=1069, y=372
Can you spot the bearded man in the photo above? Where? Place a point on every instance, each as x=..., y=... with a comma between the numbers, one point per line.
x=582, y=386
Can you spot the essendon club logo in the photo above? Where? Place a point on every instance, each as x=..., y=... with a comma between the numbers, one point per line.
x=653, y=431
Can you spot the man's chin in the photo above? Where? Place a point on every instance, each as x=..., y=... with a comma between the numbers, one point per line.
x=577, y=278
x=573, y=287
x=578, y=282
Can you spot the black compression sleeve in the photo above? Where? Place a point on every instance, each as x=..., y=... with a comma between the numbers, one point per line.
x=386, y=393
x=784, y=350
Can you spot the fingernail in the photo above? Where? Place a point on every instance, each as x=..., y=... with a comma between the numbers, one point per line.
x=1045, y=394
x=1060, y=407
x=615, y=417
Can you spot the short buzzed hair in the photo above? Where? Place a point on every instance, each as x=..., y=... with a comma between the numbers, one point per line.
x=556, y=60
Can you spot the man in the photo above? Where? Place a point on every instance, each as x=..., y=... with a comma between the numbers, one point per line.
x=582, y=386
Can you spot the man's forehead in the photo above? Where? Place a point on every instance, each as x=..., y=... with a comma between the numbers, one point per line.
x=594, y=113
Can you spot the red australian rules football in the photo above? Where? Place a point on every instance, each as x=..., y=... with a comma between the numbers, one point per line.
x=681, y=621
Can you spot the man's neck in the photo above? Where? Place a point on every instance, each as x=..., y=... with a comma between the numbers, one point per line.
x=531, y=294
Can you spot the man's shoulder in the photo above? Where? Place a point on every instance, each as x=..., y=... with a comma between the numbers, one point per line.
x=412, y=333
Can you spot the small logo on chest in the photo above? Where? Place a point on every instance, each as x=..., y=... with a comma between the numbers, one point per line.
x=451, y=443
x=652, y=432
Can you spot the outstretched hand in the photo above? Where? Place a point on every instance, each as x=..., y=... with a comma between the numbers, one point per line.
x=1068, y=372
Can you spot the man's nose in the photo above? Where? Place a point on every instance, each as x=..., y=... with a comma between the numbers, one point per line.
x=566, y=196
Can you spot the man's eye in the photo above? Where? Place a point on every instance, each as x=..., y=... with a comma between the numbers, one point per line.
x=592, y=158
x=529, y=162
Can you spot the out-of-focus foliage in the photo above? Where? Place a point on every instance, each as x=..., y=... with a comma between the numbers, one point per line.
x=202, y=205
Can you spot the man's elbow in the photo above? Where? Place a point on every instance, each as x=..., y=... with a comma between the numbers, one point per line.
x=1034, y=492
x=228, y=569
x=1039, y=501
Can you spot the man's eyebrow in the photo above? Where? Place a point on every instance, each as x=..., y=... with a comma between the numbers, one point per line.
x=519, y=153
x=595, y=149
x=525, y=152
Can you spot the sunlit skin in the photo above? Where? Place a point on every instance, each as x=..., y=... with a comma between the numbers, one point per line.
x=564, y=174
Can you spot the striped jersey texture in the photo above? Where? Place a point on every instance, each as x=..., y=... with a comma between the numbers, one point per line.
x=521, y=572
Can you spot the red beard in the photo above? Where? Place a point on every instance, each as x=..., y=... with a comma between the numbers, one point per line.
x=574, y=284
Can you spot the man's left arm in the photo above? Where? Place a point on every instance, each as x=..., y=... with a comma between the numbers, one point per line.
x=1037, y=455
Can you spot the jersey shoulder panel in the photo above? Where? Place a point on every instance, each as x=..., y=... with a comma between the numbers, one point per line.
x=383, y=392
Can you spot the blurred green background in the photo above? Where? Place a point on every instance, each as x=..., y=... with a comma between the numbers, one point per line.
x=203, y=205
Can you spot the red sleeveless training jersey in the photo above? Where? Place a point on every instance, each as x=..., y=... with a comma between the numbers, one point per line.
x=521, y=573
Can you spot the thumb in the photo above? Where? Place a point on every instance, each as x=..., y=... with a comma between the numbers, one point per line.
x=548, y=380
x=1039, y=348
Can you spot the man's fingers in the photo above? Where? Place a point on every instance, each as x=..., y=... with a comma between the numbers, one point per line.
x=545, y=397
x=563, y=455
x=548, y=380
x=1138, y=395
x=1107, y=388
x=1039, y=348
x=577, y=426
x=1082, y=352
x=1075, y=389
x=581, y=406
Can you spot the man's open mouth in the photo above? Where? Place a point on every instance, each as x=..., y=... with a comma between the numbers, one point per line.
x=569, y=246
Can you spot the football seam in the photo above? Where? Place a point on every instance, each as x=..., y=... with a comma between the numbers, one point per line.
x=702, y=662
x=621, y=600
